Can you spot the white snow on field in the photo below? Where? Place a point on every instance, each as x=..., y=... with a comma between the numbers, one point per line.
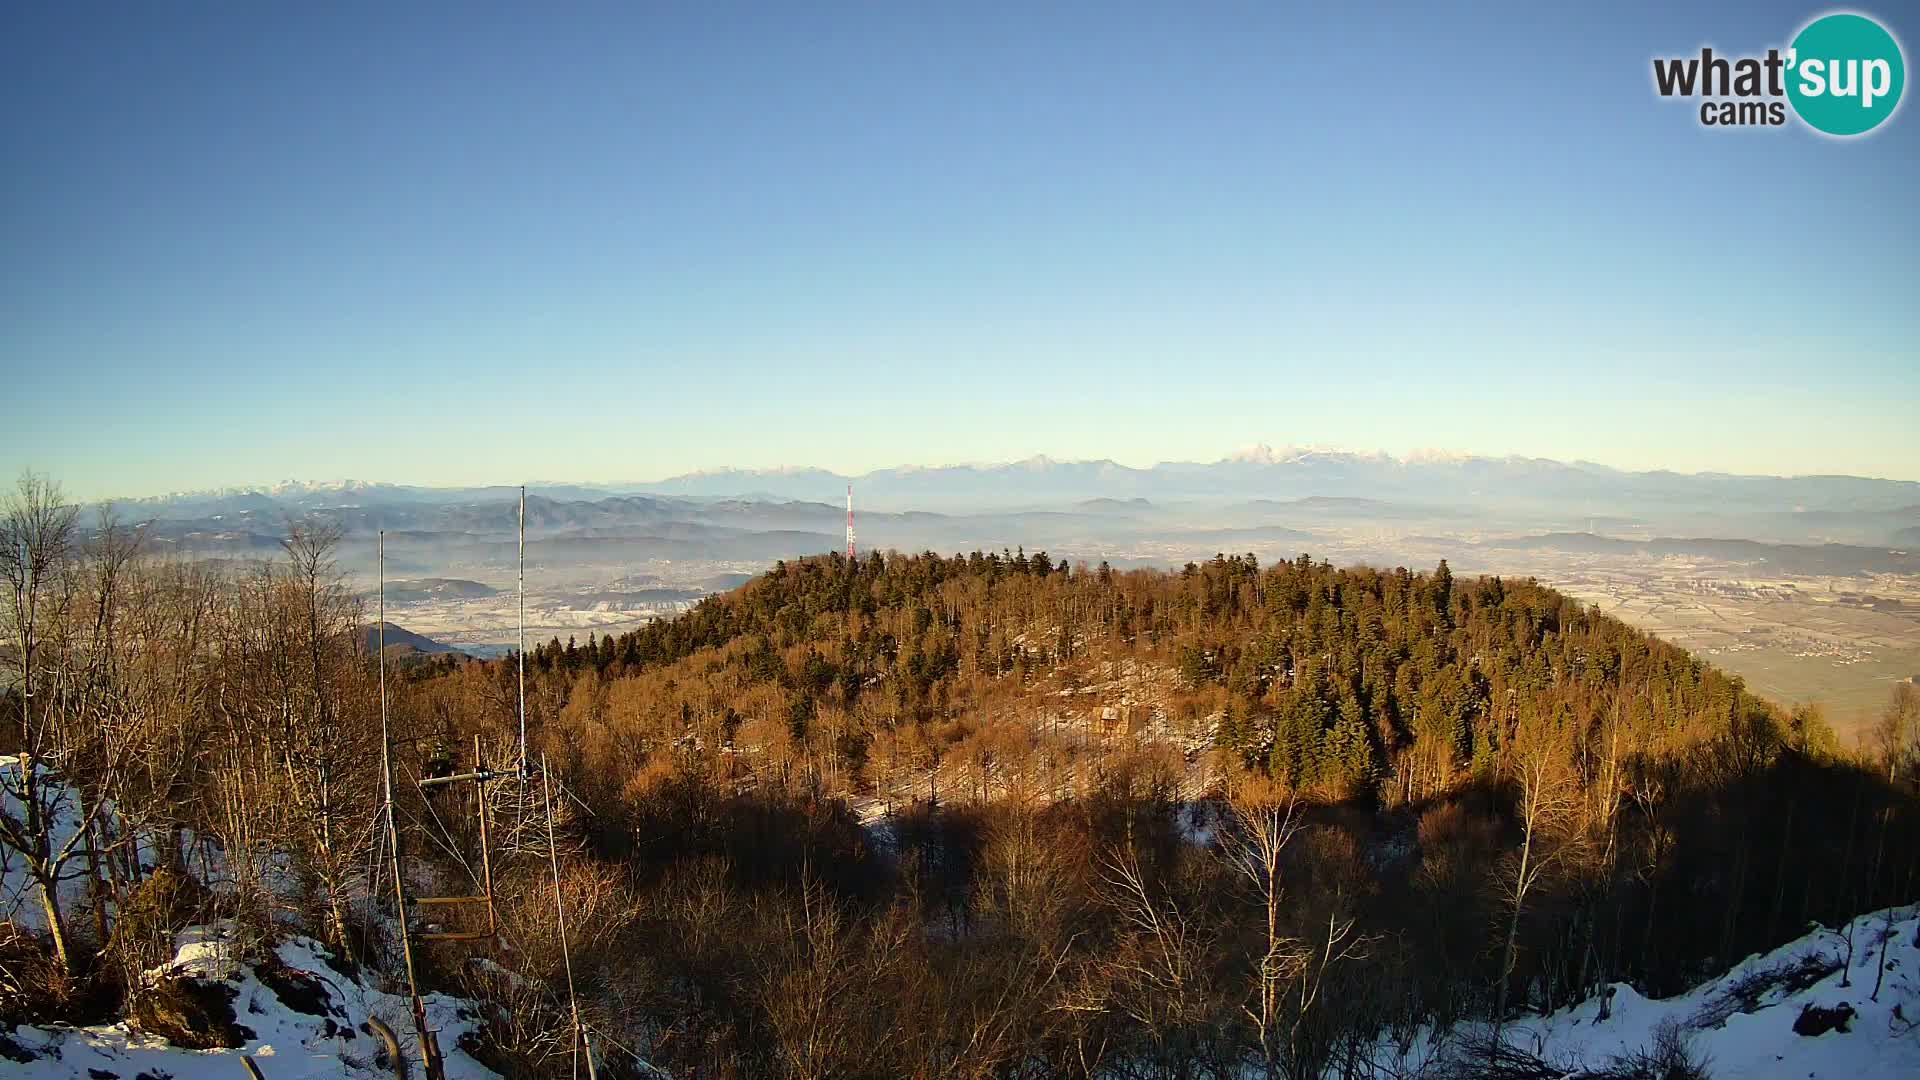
x=1741, y=1024
x=287, y=1043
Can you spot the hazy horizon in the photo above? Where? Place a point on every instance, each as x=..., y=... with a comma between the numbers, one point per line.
x=1421, y=456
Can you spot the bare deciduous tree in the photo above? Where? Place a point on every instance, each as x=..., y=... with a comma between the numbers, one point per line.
x=1263, y=826
x=1897, y=734
x=1292, y=970
x=79, y=727
x=1547, y=804
x=297, y=700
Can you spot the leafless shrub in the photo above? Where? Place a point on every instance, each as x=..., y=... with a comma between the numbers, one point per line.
x=1744, y=992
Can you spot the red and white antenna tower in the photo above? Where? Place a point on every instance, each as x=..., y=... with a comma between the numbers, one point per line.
x=849, y=522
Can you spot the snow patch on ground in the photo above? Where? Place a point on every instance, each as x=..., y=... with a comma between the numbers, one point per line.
x=1743, y=1023
x=288, y=1043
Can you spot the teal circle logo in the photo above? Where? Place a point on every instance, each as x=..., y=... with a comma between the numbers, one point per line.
x=1845, y=74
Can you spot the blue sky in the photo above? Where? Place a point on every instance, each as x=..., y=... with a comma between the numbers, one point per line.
x=480, y=244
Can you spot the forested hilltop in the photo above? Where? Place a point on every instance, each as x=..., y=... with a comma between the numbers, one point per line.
x=987, y=815
x=1485, y=776
x=1393, y=685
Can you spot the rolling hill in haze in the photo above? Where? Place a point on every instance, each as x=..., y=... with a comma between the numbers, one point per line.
x=401, y=640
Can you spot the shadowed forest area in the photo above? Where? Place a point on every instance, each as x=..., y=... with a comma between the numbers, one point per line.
x=987, y=815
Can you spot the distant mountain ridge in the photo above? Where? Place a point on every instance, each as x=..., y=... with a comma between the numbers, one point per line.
x=1260, y=472
x=1308, y=473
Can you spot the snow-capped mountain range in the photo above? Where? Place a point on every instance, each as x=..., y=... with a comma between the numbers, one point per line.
x=1259, y=471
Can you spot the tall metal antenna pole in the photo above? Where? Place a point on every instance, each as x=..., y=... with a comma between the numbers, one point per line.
x=380, y=631
x=560, y=911
x=523, y=631
x=849, y=522
x=21, y=593
x=429, y=1055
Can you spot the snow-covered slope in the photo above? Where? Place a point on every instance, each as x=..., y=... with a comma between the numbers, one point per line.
x=304, y=1019
x=1800, y=1011
x=297, y=1013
